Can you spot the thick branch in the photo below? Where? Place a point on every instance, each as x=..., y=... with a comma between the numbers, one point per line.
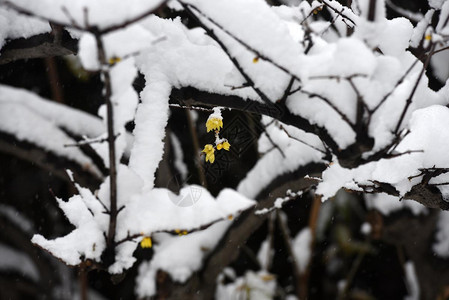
x=38, y=46
x=49, y=161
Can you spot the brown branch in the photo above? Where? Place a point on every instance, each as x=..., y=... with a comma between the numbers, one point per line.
x=111, y=143
x=38, y=46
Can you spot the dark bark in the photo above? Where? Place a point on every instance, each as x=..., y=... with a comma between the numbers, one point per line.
x=38, y=46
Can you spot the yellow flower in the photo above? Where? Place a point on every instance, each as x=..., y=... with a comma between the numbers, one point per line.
x=181, y=233
x=225, y=145
x=428, y=37
x=214, y=124
x=113, y=60
x=146, y=242
x=209, y=150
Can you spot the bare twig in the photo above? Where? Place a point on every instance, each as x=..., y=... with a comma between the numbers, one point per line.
x=211, y=33
x=287, y=91
x=134, y=19
x=243, y=43
x=75, y=25
x=400, y=81
x=340, y=13
x=301, y=141
x=267, y=134
x=412, y=93
x=111, y=142
x=333, y=106
x=89, y=142
x=191, y=107
x=440, y=50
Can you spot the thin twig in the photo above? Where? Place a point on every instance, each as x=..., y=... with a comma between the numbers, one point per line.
x=134, y=19
x=243, y=43
x=440, y=50
x=400, y=81
x=273, y=143
x=111, y=141
x=191, y=107
x=333, y=106
x=301, y=141
x=90, y=142
x=361, y=105
x=287, y=91
x=340, y=13
x=211, y=33
x=409, y=99
x=75, y=25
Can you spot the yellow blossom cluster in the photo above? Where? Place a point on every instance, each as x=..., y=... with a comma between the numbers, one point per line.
x=146, y=242
x=215, y=123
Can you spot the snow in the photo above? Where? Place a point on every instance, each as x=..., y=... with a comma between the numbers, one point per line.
x=17, y=261
x=73, y=120
x=261, y=31
x=101, y=13
x=420, y=29
x=85, y=212
x=302, y=248
x=269, y=46
x=31, y=119
x=15, y=217
x=149, y=132
x=387, y=204
x=253, y=285
x=191, y=58
x=119, y=44
x=442, y=27
x=156, y=210
x=379, y=10
x=436, y=3
x=412, y=281
x=441, y=245
x=426, y=137
x=273, y=163
x=366, y=228
x=180, y=256
x=265, y=254
x=14, y=26
x=439, y=65
x=180, y=166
